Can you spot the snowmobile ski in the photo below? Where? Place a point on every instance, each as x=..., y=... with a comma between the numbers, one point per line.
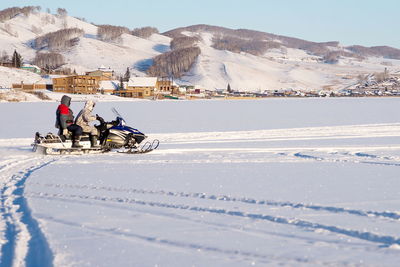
x=143, y=149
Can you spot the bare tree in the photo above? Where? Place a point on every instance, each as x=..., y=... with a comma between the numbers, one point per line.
x=183, y=41
x=60, y=39
x=4, y=58
x=49, y=61
x=237, y=45
x=174, y=63
x=62, y=12
x=144, y=32
x=332, y=57
x=9, y=13
x=46, y=19
x=382, y=76
x=110, y=32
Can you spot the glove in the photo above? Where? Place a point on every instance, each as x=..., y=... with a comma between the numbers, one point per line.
x=100, y=119
x=65, y=132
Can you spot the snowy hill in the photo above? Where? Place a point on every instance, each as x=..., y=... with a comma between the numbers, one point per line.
x=88, y=53
x=293, y=63
x=253, y=61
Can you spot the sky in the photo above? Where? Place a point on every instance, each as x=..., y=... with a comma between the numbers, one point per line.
x=363, y=22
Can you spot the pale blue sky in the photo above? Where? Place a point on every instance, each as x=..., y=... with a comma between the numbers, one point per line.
x=364, y=22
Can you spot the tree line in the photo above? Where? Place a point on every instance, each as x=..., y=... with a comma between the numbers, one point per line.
x=174, y=63
x=48, y=61
x=144, y=32
x=58, y=40
x=237, y=45
x=113, y=33
x=110, y=32
x=183, y=42
x=15, y=61
x=384, y=51
x=9, y=13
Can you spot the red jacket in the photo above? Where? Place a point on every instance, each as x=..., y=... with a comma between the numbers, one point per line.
x=65, y=116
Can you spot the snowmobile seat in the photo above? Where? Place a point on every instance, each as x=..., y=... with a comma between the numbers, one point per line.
x=84, y=137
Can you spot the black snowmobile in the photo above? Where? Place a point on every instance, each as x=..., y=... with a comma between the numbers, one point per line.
x=114, y=135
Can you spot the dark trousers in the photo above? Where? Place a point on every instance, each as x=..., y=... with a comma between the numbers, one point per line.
x=76, y=130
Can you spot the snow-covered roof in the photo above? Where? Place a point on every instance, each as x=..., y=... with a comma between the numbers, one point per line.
x=142, y=82
x=109, y=85
x=30, y=66
x=104, y=69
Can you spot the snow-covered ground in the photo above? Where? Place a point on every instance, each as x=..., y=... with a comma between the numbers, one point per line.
x=291, y=182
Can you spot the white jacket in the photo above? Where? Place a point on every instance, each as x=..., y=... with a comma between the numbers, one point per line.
x=85, y=117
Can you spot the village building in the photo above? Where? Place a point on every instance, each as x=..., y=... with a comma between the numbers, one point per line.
x=138, y=87
x=77, y=84
x=167, y=86
x=7, y=64
x=31, y=86
x=109, y=87
x=102, y=72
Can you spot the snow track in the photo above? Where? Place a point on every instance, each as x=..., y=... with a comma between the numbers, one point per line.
x=223, y=198
x=368, y=236
x=25, y=244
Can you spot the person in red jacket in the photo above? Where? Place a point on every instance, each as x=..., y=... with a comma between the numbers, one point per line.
x=65, y=122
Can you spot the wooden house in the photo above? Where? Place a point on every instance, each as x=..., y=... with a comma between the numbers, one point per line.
x=167, y=86
x=138, y=87
x=77, y=84
x=30, y=87
x=102, y=72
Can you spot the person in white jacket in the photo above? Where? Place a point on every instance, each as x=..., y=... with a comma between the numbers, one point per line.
x=84, y=118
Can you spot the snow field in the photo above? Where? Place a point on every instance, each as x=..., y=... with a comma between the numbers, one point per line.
x=240, y=192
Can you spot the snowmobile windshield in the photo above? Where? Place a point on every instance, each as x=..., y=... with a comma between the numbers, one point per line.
x=121, y=121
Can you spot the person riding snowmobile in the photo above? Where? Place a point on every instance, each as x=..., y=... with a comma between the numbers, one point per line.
x=65, y=122
x=84, y=118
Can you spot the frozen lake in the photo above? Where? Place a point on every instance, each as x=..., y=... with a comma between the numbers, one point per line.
x=211, y=115
x=292, y=182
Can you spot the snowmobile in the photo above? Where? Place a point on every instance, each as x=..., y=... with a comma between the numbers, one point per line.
x=114, y=136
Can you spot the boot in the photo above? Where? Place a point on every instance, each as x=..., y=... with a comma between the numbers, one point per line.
x=93, y=141
x=75, y=142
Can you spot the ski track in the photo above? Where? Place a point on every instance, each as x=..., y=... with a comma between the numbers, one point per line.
x=385, y=240
x=25, y=244
x=235, y=228
x=305, y=156
x=384, y=214
x=236, y=255
x=292, y=134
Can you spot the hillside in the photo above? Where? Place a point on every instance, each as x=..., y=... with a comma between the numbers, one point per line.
x=257, y=61
x=207, y=56
x=88, y=52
